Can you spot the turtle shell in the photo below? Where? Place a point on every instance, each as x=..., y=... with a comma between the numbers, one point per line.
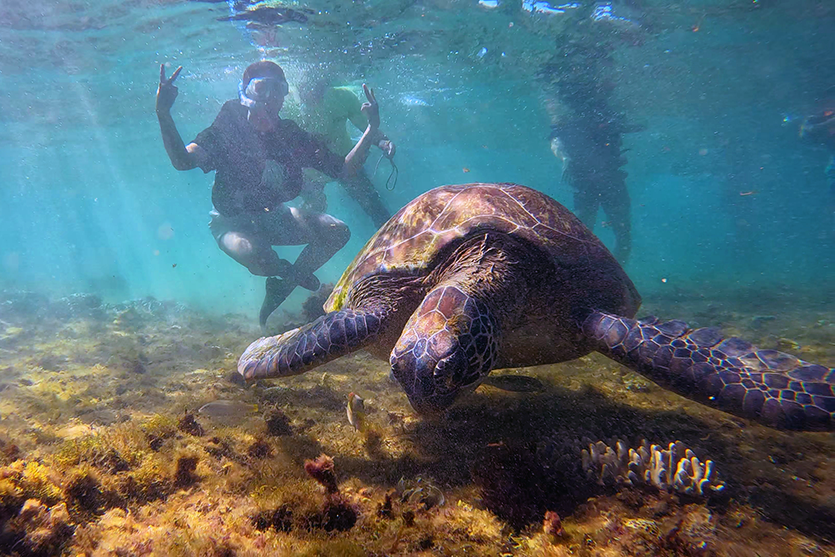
x=411, y=240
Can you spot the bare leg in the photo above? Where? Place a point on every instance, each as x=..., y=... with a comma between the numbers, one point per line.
x=254, y=254
x=324, y=235
x=249, y=239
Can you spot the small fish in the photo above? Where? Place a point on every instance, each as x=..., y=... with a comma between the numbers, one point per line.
x=465, y=169
x=227, y=409
x=515, y=383
x=356, y=411
x=747, y=193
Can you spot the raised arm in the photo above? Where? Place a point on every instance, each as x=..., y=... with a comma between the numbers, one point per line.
x=356, y=158
x=182, y=157
x=358, y=119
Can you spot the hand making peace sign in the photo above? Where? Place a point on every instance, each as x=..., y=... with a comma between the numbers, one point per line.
x=167, y=91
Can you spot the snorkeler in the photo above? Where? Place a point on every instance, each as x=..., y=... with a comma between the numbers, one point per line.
x=586, y=127
x=590, y=152
x=258, y=159
x=820, y=128
x=324, y=113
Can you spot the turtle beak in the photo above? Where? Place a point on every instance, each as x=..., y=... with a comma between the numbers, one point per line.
x=432, y=405
x=427, y=383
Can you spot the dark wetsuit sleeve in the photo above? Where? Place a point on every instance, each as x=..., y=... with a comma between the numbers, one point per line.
x=210, y=139
x=314, y=154
x=207, y=139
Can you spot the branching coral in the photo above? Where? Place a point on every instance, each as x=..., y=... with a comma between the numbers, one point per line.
x=675, y=468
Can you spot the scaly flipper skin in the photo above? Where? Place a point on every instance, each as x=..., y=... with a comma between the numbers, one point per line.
x=329, y=337
x=771, y=387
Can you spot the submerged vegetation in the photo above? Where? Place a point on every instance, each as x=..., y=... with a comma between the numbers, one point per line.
x=104, y=449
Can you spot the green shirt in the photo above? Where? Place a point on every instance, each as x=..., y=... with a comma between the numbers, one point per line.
x=327, y=118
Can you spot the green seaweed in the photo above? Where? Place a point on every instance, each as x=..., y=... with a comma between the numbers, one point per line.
x=106, y=450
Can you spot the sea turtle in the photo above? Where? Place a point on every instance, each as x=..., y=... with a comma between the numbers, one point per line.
x=468, y=278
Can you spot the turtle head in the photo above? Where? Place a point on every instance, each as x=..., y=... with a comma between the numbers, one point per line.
x=448, y=345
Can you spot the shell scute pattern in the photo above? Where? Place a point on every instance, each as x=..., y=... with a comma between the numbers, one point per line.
x=408, y=242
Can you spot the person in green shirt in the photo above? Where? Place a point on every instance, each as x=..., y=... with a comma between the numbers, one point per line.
x=324, y=113
x=258, y=158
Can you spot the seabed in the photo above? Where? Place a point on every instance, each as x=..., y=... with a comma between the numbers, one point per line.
x=104, y=449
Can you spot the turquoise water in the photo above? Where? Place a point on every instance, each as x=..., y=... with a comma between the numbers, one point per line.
x=100, y=403
x=92, y=204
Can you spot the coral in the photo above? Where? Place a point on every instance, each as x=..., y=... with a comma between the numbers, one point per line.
x=184, y=475
x=384, y=509
x=159, y=428
x=278, y=423
x=693, y=534
x=111, y=461
x=552, y=525
x=280, y=519
x=84, y=491
x=337, y=514
x=148, y=482
x=142, y=483
x=511, y=484
x=676, y=468
x=189, y=425
x=130, y=320
x=117, y=450
x=259, y=449
x=11, y=498
x=38, y=529
x=36, y=481
x=321, y=470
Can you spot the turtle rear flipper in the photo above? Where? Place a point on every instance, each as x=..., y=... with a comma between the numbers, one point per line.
x=331, y=336
x=772, y=387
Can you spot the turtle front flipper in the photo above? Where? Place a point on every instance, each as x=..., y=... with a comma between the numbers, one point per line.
x=772, y=387
x=329, y=337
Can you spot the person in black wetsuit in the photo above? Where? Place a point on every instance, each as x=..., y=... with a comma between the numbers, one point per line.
x=258, y=159
x=587, y=128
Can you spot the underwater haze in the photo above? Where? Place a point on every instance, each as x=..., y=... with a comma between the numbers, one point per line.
x=121, y=321
x=93, y=206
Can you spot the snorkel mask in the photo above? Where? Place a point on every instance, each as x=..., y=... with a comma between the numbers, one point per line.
x=261, y=90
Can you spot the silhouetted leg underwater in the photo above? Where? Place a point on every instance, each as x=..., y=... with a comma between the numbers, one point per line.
x=616, y=204
x=362, y=190
x=586, y=204
x=325, y=236
x=277, y=291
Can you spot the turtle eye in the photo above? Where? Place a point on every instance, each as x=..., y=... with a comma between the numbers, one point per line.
x=450, y=372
